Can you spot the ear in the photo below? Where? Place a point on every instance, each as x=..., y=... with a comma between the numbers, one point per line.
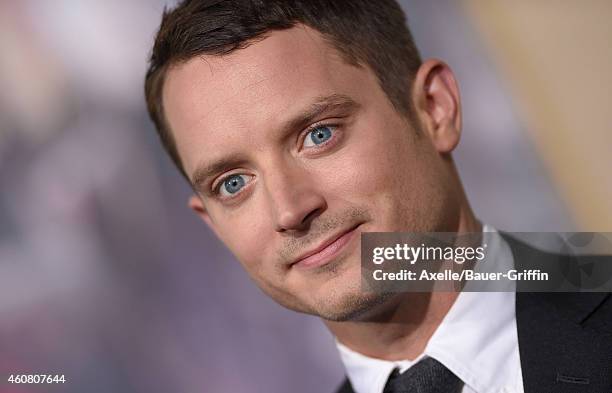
x=195, y=204
x=438, y=105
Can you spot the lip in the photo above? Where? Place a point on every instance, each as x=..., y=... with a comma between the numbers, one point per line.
x=326, y=251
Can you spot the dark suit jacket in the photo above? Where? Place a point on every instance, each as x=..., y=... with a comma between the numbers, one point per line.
x=565, y=338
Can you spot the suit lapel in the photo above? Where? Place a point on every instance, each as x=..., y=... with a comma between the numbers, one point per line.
x=565, y=338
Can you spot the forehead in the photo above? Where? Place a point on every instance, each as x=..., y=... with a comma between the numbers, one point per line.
x=214, y=101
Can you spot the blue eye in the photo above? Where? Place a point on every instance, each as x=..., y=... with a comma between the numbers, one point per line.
x=318, y=136
x=233, y=184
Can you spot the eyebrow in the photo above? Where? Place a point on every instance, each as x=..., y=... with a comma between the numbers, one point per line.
x=203, y=172
x=338, y=103
x=320, y=106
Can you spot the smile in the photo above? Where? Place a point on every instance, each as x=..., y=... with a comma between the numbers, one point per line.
x=327, y=251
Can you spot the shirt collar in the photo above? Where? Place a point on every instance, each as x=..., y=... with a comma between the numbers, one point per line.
x=369, y=374
x=477, y=339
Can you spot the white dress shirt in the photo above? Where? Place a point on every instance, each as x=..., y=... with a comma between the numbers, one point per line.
x=477, y=340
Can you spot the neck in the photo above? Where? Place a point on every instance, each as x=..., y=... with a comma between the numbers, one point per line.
x=401, y=327
x=401, y=330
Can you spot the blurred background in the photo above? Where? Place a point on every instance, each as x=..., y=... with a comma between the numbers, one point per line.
x=108, y=278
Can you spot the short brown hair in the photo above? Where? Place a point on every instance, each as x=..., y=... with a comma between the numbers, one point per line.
x=365, y=32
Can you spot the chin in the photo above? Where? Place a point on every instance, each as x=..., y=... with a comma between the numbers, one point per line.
x=352, y=306
x=334, y=294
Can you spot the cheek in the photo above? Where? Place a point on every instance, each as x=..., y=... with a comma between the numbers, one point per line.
x=246, y=239
x=391, y=172
x=379, y=159
x=251, y=240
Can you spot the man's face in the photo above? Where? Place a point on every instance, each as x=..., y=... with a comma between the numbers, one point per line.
x=294, y=153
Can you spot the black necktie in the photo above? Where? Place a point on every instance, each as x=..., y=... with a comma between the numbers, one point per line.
x=427, y=376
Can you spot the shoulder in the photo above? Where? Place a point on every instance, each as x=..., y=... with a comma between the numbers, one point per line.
x=563, y=336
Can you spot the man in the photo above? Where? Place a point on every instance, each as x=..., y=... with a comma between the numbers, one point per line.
x=301, y=125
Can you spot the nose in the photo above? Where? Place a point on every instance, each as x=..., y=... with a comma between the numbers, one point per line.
x=293, y=198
